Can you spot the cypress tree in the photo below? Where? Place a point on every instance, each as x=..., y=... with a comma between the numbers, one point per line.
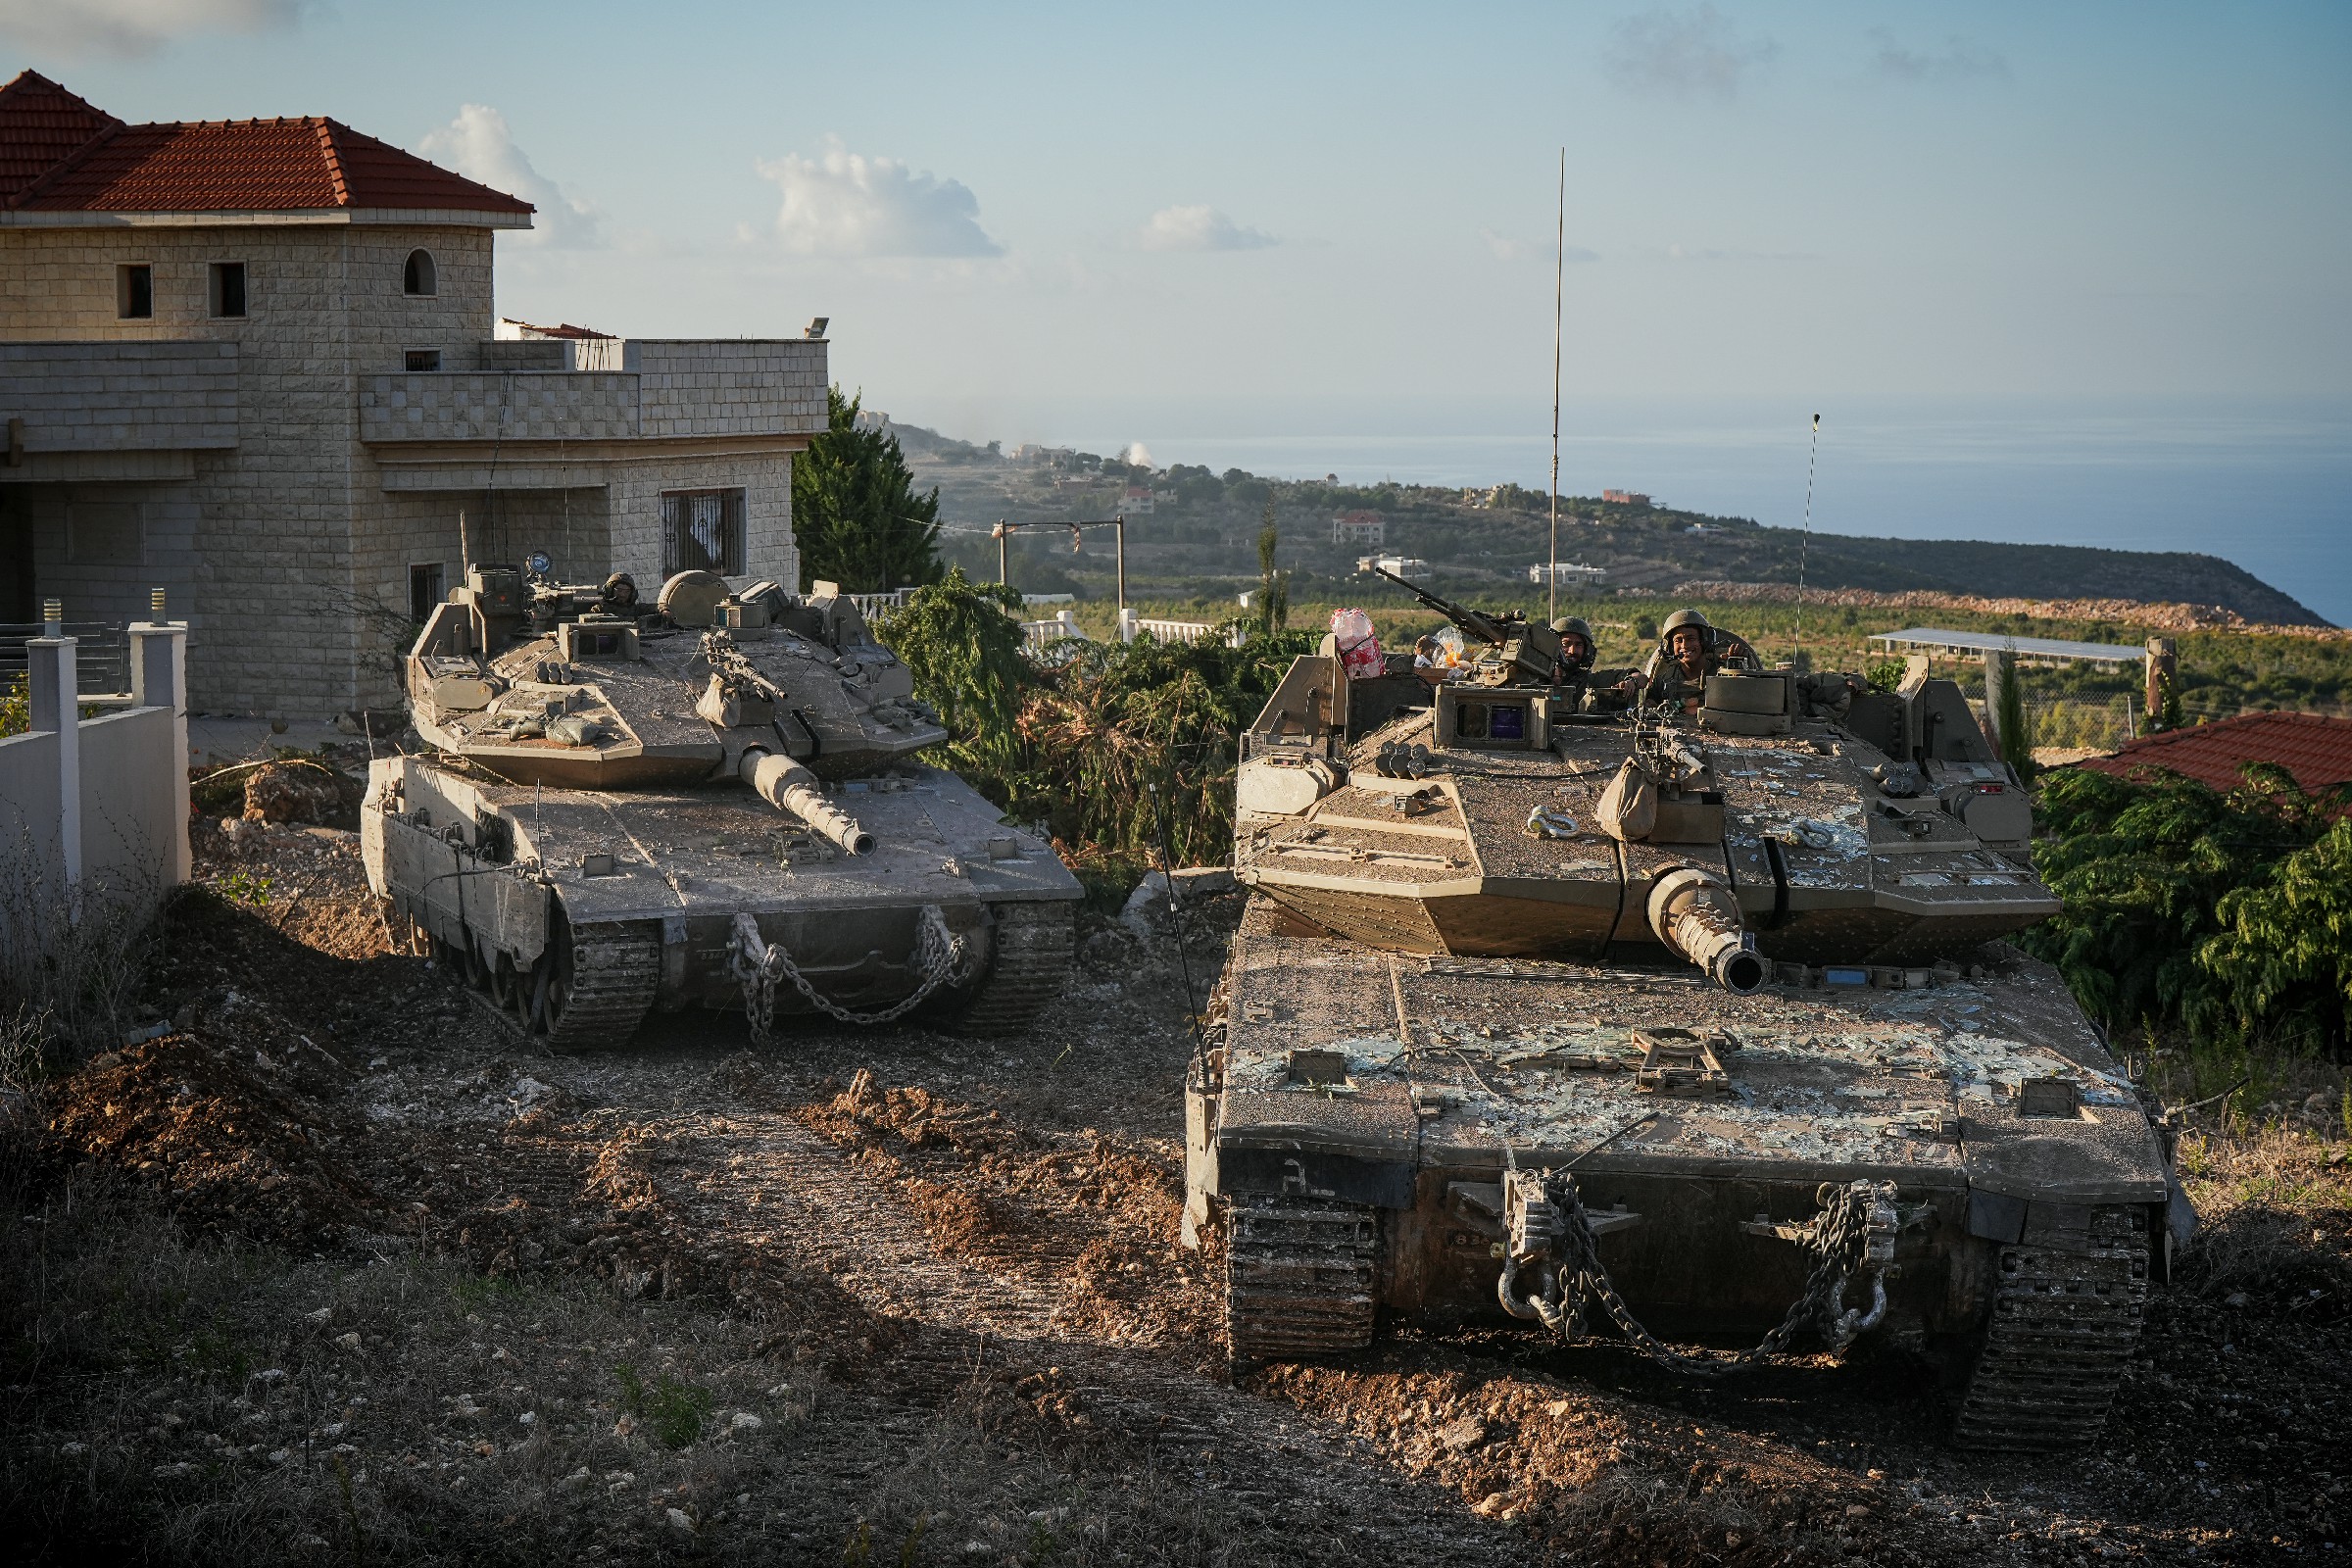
x=854, y=510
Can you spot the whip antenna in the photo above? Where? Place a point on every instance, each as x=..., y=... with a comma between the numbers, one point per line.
x=1805, y=547
x=1560, y=270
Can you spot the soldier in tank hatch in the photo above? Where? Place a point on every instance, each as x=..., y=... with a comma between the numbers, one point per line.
x=1582, y=687
x=1689, y=650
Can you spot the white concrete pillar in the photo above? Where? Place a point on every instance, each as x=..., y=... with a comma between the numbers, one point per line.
x=158, y=679
x=52, y=672
x=1130, y=624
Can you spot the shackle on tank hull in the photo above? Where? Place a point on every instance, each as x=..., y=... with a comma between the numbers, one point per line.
x=1693, y=913
x=788, y=786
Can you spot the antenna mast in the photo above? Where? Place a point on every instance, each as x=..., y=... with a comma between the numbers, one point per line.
x=1805, y=547
x=1560, y=273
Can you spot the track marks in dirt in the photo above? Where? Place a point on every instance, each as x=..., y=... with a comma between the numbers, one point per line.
x=1090, y=1216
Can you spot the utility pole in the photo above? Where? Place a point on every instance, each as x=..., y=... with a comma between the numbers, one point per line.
x=1003, y=532
x=1559, y=275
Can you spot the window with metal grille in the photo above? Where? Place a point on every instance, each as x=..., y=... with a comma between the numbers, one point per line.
x=702, y=530
x=421, y=360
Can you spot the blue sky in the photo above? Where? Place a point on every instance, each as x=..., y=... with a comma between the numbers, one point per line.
x=1008, y=207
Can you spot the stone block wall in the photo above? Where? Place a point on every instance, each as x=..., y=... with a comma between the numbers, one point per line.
x=687, y=387
x=115, y=397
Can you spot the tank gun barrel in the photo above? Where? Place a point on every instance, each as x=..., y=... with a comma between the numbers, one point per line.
x=788, y=786
x=1476, y=624
x=1693, y=911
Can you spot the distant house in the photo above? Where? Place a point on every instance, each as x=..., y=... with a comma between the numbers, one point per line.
x=1397, y=566
x=1625, y=498
x=1570, y=575
x=1137, y=502
x=1050, y=457
x=2314, y=747
x=1359, y=528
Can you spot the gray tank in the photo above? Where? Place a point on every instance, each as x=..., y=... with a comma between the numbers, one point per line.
x=1681, y=1023
x=716, y=801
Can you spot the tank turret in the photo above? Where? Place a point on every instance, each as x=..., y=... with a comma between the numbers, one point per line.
x=1669, y=1003
x=618, y=790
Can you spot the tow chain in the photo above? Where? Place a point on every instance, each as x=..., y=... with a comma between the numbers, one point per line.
x=1853, y=1235
x=758, y=965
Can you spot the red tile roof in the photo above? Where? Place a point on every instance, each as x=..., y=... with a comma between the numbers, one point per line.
x=307, y=164
x=2313, y=747
x=567, y=330
x=41, y=125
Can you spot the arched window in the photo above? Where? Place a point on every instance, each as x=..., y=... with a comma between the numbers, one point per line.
x=419, y=276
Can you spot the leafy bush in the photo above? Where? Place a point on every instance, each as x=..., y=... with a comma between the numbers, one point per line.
x=2231, y=914
x=1101, y=746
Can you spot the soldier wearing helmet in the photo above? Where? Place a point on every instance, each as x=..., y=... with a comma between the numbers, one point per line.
x=1574, y=661
x=1689, y=650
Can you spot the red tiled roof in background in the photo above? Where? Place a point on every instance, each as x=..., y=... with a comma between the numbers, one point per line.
x=41, y=125
x=2313, y=747
x=567, y=330
x=306, y=164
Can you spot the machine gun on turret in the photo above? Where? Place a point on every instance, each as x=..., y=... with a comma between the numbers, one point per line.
x=1523, y=652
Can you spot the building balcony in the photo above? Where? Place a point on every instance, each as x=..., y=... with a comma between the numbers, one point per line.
x=636, y=389
x=113, y=410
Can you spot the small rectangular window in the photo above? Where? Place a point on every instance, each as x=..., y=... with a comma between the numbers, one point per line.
x=427, y=588
x=228, y=289
x=702, y=530
x=425, y=358
x=134, y=292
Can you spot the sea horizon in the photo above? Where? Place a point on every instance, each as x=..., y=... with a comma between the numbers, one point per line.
x=2263, y=484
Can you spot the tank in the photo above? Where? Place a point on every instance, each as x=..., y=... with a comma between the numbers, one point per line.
x=1687, y=1023
x=718, y=800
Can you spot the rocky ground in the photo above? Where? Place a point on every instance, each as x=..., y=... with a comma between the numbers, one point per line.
x=332, y=1268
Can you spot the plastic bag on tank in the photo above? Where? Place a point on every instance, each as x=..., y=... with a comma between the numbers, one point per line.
x=1358, y=645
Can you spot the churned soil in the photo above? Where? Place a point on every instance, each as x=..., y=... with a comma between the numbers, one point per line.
x=414, y=1290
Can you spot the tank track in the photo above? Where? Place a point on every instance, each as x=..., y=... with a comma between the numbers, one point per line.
x=1033, y=944
x=2063, y=1328
x=1301, y=1276
x=614, y=969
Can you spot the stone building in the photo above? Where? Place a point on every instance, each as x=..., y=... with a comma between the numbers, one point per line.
x=257, y=363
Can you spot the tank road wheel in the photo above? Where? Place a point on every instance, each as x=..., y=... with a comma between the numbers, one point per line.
x=1031, y=961
x=597, y=982
x=505, y=984
x=2063, y=1327
x=1301, y=1276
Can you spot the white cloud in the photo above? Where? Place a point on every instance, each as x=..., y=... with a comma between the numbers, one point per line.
x=478, y=145
x=1198, y=228
x=842, y=203
x=1685, y=253
x=1508, y=249
x=1959, y=61
x=1685, y=53
x=133, y=27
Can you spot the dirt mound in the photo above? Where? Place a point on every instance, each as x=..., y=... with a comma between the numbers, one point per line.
x=228, y=1137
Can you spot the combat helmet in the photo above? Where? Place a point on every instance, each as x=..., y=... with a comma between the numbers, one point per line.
x=1685, y=618
x=1573, y=623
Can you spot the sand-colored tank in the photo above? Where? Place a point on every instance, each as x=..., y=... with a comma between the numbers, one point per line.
x=1687, y=1021
x=715, y=800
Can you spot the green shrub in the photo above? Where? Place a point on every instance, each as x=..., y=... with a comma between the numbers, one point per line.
x=2229, y=913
